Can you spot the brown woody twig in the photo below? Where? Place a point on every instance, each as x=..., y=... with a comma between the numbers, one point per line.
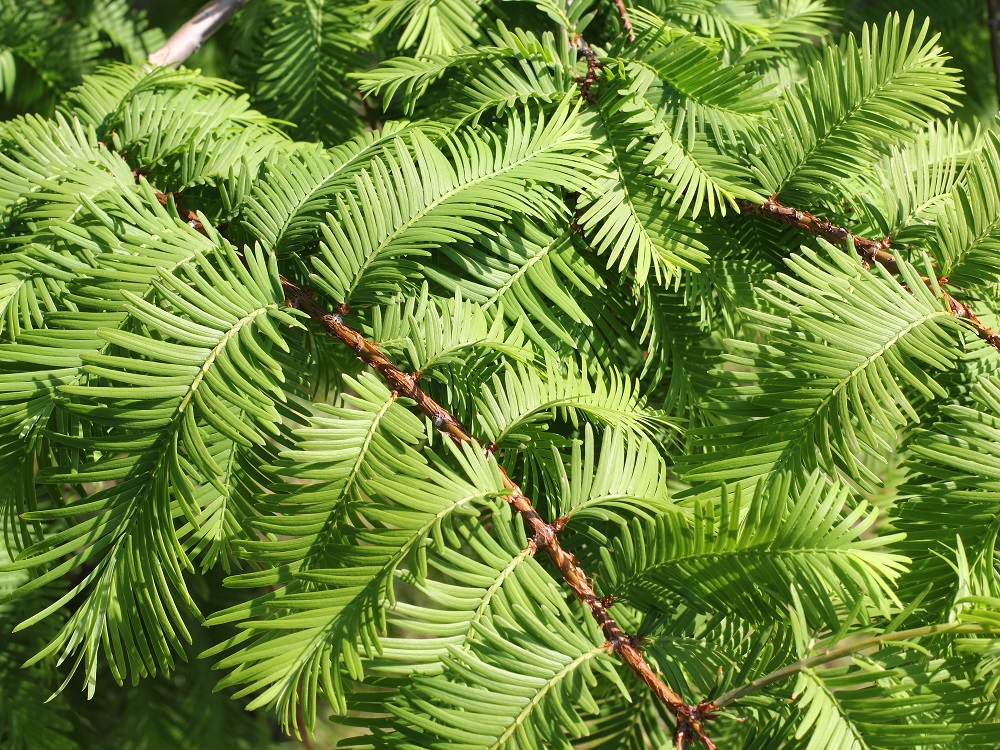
x=593, y=65
x=690, y=719
x=871, y=251
x=626, y=23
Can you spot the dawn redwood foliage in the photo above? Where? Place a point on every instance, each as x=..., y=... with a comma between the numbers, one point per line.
x=604, y=374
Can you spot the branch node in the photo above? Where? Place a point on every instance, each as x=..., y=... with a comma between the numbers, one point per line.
x=559, y=524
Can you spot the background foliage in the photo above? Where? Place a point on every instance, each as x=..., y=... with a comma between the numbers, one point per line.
x=784, y=464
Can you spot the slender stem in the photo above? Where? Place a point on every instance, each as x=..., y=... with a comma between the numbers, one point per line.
x=188, y=38
x=690, y=719
x=871, y=251
x=593, y=65
x=994, y=25
x=789, y=670
x=627, y=24
x=300, y=719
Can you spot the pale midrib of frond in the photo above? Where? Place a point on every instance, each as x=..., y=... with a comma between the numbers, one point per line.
x=449, y=351
x=527, y=416
x=818, y=739
x=371, y=588
x=362, y=155
x=495, y=588
x=93, y=197
x=807, y=154
x=431, y=69
x=625, y=184
x=989, y=231
x=749, y=118
x=203, y=369
x=920, y=209
x=353, y=477
x=521, y=272
x=793, y=450
x=65, y=169
x=716, y=194
x=228, y=473
x=543, y=691
x=597, y=500
x=878, y=354
x=245, y=320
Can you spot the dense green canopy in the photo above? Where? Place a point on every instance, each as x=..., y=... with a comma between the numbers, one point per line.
x=639, y=286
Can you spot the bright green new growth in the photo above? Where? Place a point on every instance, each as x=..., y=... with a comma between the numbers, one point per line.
x=782, y=458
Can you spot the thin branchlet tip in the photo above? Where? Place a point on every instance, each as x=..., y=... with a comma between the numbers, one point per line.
x=872, y=252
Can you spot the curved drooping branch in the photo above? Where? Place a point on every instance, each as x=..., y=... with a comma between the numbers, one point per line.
x=871, y=251
x=188, y=38
x=690, y=719
x=847, y=648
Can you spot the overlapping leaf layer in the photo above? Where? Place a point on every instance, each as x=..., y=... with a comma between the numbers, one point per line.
x=778, y=460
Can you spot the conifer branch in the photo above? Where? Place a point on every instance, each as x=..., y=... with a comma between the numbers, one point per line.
x=188, y=38
x=690, y=719
x=871, y=251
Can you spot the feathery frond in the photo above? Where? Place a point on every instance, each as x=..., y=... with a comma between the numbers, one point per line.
x=865, y=351
x=806, y=539
x=302, y=67
x=858, y=98
x=422, y=201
